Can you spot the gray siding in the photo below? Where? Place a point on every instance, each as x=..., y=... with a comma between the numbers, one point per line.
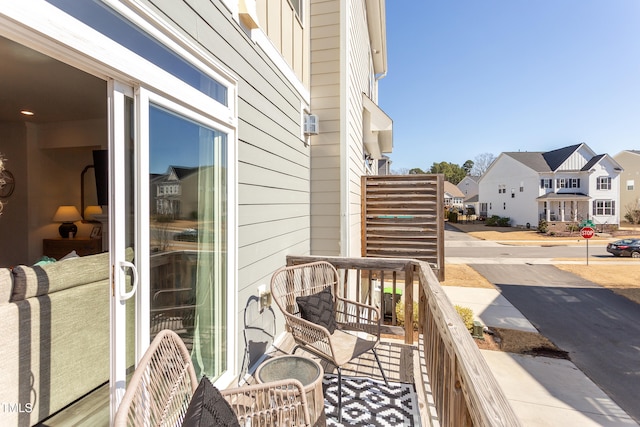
x=273, y=162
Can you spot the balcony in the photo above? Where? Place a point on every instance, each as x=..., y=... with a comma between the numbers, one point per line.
x=453, y=384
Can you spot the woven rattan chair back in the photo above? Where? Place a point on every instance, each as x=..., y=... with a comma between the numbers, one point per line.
x=161, y=386
x=358, y=325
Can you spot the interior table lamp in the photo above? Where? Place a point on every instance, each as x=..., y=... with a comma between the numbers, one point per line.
x=67, y=215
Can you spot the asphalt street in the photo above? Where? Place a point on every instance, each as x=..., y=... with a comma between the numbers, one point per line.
x=599, y=329
x=460, y=245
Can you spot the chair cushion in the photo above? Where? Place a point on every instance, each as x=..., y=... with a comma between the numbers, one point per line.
x=319, y=309
x=208, y=408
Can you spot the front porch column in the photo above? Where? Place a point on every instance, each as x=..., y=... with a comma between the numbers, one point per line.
x=561, y=208
x=548, y=208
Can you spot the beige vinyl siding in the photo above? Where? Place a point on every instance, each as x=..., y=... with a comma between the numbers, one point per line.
x=629, y=199
x=325, y=147
x=286, y=31
x=358, y=75
x=273, y=161
x=340, y=74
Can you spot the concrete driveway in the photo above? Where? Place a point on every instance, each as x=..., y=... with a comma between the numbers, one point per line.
x=599, y=329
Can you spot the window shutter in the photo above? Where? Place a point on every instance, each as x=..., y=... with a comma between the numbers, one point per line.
x=613, y=207
x=594, y=208
x=542, y=183
x=578, y=182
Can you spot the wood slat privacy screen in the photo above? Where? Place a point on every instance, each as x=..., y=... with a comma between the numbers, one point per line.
x=403, y=217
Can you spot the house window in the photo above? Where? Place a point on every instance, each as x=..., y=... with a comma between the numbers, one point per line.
x=502, y=188
x=604, y=183
x=546, y=183
x=630, y=184
x=297, y=6
x=574, y=183
x=504, y=205
x=604, y=207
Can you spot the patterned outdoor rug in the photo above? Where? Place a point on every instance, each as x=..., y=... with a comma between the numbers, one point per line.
x=367, y=402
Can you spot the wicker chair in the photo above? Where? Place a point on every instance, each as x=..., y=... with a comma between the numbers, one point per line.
x=357, y=326
x=164, y=382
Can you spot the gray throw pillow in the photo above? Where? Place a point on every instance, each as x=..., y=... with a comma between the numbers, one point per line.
x=319, y=309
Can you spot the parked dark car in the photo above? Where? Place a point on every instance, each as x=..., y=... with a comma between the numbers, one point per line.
x=188, y=235
x=625, y=247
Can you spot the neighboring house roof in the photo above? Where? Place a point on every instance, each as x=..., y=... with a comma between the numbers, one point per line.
x=182, y=171
x=533, y=160
x=594, y=160
x=564, y=196
x=452, y=190
x=473, y=199
x=556, y=158
x=550, y=161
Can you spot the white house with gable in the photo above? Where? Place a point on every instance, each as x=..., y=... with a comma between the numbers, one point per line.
x=569, y=184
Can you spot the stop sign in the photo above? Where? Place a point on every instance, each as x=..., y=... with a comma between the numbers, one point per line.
x=587, y=232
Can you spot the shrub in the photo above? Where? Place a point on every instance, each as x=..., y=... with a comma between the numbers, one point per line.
x=492, y=221
x=400, y=314
x=543, y=226
x=466, y=314
x=633, y=216
x=504, y=221
x=573, y=227
x=452, y=216
x=497, y=221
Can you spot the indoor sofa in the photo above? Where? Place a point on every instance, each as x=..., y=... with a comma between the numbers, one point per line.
x=54, y=338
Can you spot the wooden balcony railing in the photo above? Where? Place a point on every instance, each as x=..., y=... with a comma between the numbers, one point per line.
x=464, y=390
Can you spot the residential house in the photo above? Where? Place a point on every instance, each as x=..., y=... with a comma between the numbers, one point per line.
x=469, y=187
x=629, y=183
x=222, y=87
x=566, y=185
x=453, y=197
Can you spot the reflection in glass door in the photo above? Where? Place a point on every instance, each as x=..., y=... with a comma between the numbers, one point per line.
x=187, y=235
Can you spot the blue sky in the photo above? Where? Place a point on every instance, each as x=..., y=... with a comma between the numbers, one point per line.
x=468, y=77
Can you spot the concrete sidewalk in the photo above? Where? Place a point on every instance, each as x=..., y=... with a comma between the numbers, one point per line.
x=542, y=391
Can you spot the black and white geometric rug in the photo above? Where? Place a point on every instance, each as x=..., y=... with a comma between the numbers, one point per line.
x=367, y=402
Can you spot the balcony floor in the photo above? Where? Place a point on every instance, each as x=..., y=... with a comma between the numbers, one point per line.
x=402, y=364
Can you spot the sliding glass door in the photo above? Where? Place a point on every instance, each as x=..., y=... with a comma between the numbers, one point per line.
x=169, y=229
x=188, y=232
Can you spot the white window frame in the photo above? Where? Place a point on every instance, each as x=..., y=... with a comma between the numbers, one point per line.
x=603, y=183
x=604, y=207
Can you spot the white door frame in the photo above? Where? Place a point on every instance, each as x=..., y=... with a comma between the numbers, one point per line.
x=39, y=25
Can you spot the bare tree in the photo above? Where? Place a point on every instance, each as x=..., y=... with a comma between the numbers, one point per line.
x=400, y=171
x=481, y=163
x=632, y=213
